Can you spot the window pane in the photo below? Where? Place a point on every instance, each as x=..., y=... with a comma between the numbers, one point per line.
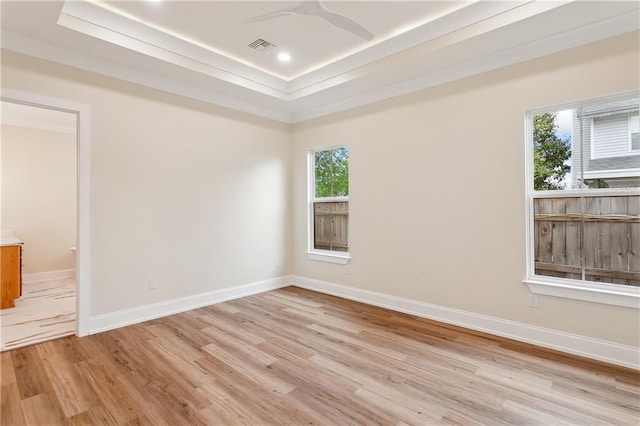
x=634, y=132
x=611, y=235
x=341, y=172
x=332, y=173
x=588, y=147
x=331, y=221
x=552, y=150
x=634, y=123
x=591, y=238
x=557, y=236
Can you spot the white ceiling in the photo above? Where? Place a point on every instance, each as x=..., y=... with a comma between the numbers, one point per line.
x=200, y=48
x=219, y=27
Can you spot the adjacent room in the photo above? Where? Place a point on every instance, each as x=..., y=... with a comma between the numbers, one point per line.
x=39, y=165
x=320, y=212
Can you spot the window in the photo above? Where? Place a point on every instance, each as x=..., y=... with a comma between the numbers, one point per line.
x=329, y=204
x=583, y=231
x=634, y=132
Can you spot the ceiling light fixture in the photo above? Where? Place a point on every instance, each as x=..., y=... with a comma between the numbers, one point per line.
x=284, y=57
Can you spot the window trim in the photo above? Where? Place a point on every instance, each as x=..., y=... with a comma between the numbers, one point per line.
x=630, y=133
x=611, y=294
x=331, y=256
x=592, y=139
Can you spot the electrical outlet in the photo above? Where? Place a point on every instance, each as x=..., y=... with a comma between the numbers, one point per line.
x=533, y=301
x=153, y=283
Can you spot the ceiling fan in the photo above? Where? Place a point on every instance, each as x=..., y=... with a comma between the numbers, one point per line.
x=315, y=8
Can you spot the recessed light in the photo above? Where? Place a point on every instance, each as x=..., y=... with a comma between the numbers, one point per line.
x=284, y=57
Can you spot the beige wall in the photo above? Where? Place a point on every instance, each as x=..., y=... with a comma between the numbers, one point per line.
x=191, y=194
x=437, y=201
x=201, y=197
x=39, y=195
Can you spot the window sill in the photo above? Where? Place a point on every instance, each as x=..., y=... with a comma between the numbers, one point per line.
x=591, y=292
x=331, y=257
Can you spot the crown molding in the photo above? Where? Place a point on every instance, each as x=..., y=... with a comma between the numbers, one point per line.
x=91, y=19
x=444, y=59
x=583, y=35
x=469, y=21
x=38, y=49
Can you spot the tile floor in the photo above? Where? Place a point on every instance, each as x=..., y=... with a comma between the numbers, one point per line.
x=47, y=310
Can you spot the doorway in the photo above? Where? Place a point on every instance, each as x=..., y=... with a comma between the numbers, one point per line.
x=48, y=215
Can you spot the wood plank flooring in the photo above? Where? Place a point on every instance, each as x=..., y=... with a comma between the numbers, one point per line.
x=46, y=310
x=294, y=357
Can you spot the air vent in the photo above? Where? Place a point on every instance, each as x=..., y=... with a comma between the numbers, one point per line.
x=262, y=45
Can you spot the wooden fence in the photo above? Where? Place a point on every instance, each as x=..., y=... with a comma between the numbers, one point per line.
x=595, y=236
x=331, y=220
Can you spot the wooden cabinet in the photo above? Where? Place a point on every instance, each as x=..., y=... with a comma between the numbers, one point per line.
x=10, y=275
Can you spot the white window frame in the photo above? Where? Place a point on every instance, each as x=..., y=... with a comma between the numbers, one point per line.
x=611, y=294
x=313, y=253
x=637, y=117
x=592, y=139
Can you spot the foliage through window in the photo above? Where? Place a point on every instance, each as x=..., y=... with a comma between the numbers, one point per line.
x=332, y=173
x=584, y=200
x=330, y=201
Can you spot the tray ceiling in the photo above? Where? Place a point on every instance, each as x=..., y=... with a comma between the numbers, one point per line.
x=201, y=49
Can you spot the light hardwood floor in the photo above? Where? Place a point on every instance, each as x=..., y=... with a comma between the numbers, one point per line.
x=47, y=310
x=294, y=357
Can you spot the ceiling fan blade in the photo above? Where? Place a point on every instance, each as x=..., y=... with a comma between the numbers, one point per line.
x=271, y=15
x=315, y=8
x=345, y=23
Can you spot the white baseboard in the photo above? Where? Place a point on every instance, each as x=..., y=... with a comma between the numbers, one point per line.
x=37, y=277
x=110, y=321
x=614, y=353
x=626, y=356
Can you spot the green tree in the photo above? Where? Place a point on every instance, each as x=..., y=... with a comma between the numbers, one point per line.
x=550, y=153
x=332, y=172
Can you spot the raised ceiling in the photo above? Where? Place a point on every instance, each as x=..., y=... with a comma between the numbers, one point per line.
x=222, y=27
x=201, y=49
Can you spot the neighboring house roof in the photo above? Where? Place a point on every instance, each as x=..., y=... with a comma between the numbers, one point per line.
x=611, y=163
x=611, y=108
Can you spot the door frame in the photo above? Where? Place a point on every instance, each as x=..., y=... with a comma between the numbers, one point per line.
x=83, y=186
